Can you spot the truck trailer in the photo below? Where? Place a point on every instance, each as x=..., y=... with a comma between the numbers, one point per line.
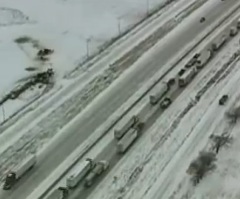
x=219, y=43
x=155, y=97
x=79, y=173
x=99, y=168
x=204, y=57
x=118, y=134
x=14, y=175
x=187, y=77
x=238, y=23
x=127, y=140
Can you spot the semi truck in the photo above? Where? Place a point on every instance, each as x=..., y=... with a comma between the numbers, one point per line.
x=98, y=169
x=204, y=57
x=127, y=140
x=14, y=175
x=59, y=193
x=155, y=97
x=187, y=77
x=118, y=134
x=79, y=173
x=219, y=42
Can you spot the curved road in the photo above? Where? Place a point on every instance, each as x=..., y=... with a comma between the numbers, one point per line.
x=98, y=113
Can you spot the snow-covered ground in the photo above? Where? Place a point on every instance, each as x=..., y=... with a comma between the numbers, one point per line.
x=163, y=18
x=223, y=182
x=140, y=170
x=74, y=29
x=42, y=130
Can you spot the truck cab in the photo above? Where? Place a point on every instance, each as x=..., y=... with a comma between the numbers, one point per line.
x=99, y=168
x=223, y=99
x=9, y=181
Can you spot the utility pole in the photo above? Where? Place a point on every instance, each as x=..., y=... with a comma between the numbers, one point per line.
x=87, y=45
x=119, y=25
x=147, y=7
x=3, y=113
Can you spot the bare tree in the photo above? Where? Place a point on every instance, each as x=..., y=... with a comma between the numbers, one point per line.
x=220, y=140
x=201, y=165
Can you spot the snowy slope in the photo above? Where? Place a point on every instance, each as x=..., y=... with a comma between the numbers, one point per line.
x=223, y=182
x=65, y=26
x=83, y=26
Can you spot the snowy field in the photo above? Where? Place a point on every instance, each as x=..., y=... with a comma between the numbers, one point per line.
x=44, y=127
x=75, y=30
x=155, y=166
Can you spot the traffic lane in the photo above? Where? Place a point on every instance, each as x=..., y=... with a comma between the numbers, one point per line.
x=127, y=87
x=176, y=40
x=45, y=166
x=110, y=152
x=148, y=114
x=83, y=192
x=104, y=108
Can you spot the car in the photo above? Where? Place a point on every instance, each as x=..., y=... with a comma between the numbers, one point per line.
x=196, y=55
x=202, y=19
x=181, y=72
x=165, y=103
x=223, y=99
x=171, y=82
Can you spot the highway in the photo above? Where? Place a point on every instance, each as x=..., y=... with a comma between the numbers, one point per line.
x=148, y=114
x=99, y=112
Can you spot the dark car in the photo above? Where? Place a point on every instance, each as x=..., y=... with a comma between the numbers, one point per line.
x=165, y=103
x=223, y=99
x=181, y=72
x=202, y=19
x=171, y=82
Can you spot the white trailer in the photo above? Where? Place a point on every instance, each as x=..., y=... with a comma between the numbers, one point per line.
x=238, y=23
x=14, y=175
x=187, y=77
x=218, y=43
x=79, y=173
x=118, y=134
x=127, y=140
x=204, y=57
x=99, y=168
x=233, y=31
x=162, y=90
